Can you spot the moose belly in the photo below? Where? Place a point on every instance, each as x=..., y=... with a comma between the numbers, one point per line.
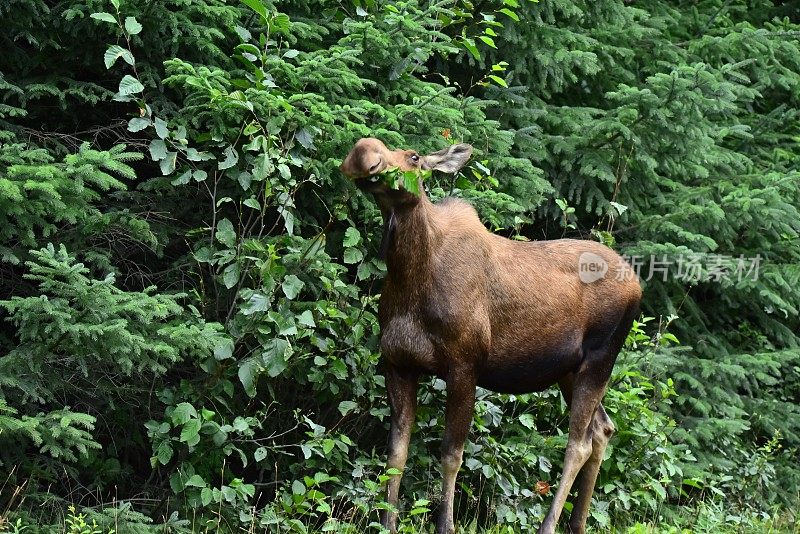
x=526, y=371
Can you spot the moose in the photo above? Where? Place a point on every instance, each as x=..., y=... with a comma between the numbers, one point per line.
x=477, y=309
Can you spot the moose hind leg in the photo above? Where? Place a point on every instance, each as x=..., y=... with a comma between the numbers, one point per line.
x=595, y=372
x=602, y=429
x=587, y=391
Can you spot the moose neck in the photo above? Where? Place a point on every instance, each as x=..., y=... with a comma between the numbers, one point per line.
x=411, y=238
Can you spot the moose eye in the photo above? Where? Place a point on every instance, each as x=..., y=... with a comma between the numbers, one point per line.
x=414, y=158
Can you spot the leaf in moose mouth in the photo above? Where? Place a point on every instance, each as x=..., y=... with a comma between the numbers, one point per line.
x=394, y=178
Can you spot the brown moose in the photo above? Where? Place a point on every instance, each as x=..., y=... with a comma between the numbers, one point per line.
x=477, y=309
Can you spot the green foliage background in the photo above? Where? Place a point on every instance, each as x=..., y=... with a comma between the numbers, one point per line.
x=189, y=285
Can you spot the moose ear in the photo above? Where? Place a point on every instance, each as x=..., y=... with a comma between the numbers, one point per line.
x=449, y=159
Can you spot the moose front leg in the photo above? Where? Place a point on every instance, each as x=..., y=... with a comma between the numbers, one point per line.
x=458, y=418
x=402, y=388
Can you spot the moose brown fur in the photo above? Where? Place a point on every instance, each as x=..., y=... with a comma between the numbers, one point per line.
x=477, y=309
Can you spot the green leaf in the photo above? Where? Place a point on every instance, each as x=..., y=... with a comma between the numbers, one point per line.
x=305, y=137
x=168, y=163
x=417, y=510
x=225, y=233
x=411, y=182
x=544, y=464
x=231, y=158
x=306, y=319
x=346, y=407
x=228, y=493
x=257, y=6
x=206, y=496
x=251, y=128
x=195, y=481
x=260, y=454
x=115, y=52
x=275, y=356
x=527, y=421
x=164, y=453
x=352, y=237
x=231, y=274
x=105, y=17
x=469, y=44
x=291, y=286
x=224, y=350
x=137, y=124
x=182, y=413
x=509, y=13
x=130, y=86
x=258, y=302
x=161, y=128
x=352, y=255
x=176, y=482
x=488, y=40
x=693, y=482
x=252, y=203
x=659, y=489
x=498, y=80
x=248, y=374
x=298, y=488
x=183, y=179
x=132, y=26
x=158, y=149
x=281, y=22
x=190, y=433
x=621, y=208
